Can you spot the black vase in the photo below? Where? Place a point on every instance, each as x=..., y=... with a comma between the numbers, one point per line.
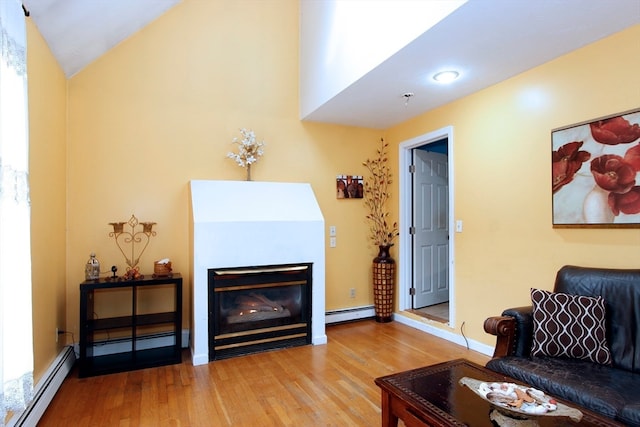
x=384, y=269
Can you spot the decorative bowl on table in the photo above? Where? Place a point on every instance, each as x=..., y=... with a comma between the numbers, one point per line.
x=162, y=268
x=520, y=402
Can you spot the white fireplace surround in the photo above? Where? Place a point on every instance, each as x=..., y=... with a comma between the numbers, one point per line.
x=252, y=223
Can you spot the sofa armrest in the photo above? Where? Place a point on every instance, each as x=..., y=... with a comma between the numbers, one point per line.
x=513, y=331
x=504, y=328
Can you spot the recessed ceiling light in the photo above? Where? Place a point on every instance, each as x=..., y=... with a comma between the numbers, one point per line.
x=446, y=76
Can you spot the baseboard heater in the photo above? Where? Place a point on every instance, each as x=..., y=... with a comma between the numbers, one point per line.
x=122, y=345
x=349, y=314
x=45, y=390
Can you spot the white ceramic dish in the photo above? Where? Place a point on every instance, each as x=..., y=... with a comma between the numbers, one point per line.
x=543, y=406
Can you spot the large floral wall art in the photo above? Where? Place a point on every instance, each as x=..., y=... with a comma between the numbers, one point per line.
x=596, y=173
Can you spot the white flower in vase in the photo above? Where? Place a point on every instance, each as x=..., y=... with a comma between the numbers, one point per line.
x=249, y=150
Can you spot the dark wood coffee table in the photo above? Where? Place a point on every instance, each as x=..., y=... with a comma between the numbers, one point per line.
x=431, y=396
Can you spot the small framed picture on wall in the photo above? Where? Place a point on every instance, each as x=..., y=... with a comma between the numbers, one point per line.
x=349, y=187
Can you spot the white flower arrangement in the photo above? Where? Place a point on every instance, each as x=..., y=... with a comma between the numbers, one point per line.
x=249, y=150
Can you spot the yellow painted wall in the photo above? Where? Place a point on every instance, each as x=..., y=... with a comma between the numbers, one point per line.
x=47, y=164
x=502, y=176
x=161, y=109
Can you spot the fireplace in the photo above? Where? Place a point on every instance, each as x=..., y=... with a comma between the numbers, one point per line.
x=235, y=224
x=253, y=309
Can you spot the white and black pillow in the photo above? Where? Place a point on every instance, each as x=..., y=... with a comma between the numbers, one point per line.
x=570, y=326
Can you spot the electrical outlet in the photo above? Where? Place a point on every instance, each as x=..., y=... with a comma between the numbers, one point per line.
x=332, y=231
x=332, y=242
x=352, y=292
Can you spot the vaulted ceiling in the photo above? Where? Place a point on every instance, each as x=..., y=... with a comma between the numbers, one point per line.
x=487, y=40
x=80, y=31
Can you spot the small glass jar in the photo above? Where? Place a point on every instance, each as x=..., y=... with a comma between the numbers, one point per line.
x=92, y=268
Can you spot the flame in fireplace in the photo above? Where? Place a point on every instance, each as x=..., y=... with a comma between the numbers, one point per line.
x=255, y=302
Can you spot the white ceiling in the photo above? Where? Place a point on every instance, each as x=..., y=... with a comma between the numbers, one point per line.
x=80, y=31
x=488, y=41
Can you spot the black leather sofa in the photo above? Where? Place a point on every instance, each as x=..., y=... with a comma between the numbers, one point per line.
x=612, y=390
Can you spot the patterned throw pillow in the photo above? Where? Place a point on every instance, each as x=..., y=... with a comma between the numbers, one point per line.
x=570, y=326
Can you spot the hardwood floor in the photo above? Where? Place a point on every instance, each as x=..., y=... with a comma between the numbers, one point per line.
x=438, y=312
x=326, y=385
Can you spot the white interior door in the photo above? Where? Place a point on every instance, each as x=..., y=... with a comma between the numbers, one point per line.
x=431, y=222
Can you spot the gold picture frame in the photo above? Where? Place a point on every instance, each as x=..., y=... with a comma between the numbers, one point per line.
x=595, y=171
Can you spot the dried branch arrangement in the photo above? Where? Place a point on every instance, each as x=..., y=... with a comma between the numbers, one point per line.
x=376, y=194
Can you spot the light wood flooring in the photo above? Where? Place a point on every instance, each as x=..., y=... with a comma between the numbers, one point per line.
x=324, y=385
x=438, y=312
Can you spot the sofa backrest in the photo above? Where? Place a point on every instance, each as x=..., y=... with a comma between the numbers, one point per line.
x=620, y=289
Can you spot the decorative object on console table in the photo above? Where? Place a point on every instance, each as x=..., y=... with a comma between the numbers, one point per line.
x=382, y=234
x=162, y=268
x=130, y=238
x=249, y=150
x=92, y=268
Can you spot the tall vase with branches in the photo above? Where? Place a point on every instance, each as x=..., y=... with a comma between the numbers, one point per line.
x=381, y=232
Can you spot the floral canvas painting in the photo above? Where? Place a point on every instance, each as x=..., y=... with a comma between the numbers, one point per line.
x=596, y=173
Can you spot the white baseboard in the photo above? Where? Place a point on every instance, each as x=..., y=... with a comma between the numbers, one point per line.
x=45, y=389
x=444, y=334
x=349, y=314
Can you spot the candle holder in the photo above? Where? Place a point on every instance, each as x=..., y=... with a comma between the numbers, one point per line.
x=128, y=239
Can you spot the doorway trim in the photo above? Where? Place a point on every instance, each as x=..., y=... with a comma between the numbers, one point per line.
x=404, y=247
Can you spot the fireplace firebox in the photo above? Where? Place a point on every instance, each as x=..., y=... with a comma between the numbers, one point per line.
x=253, y=309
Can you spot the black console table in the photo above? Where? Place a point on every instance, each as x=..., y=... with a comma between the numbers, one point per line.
x=142, y=329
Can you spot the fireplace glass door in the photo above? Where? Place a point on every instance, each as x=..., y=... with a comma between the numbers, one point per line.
x=254, y=309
